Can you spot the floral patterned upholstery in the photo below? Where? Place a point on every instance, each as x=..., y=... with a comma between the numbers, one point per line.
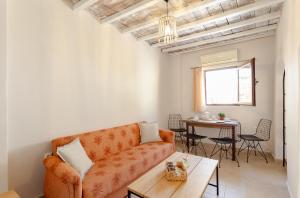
x=62, y=170
x=118, y=157
x=103, y=143
x=111, y=174
x=61, y=177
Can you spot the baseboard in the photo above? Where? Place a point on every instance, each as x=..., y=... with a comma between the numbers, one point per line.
x=40, y=196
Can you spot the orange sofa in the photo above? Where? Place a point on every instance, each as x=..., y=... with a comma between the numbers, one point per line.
x=118, y=158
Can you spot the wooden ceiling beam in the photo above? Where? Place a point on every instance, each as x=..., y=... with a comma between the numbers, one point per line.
x=230, y=13
x=199, y=5
x=221, y=38
x=83, y=4
x=144, y=4
x=228, y=42
x=225, y=28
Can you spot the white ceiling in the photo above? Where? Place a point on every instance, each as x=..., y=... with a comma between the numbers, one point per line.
x=201, y=23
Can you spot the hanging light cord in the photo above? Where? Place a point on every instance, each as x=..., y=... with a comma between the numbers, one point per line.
x=167, y=1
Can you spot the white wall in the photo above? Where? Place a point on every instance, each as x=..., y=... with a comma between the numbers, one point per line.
x=180, y=89
x=3, y=135
x=288, y=44
x=69, y=74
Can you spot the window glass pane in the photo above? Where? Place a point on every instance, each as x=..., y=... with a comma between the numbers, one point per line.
x=222, y=86
x=245, y=84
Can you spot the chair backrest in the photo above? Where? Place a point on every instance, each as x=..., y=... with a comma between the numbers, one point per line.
x=175, y=121
x=227, y=132
x=263, y=129
x=238, y=131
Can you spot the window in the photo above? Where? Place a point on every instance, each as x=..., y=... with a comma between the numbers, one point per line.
x=231, y=86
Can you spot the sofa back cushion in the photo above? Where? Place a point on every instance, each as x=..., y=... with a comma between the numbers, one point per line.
x=103, y=143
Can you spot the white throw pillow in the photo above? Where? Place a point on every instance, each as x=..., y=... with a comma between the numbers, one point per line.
x=75, y=155
x=149, y=132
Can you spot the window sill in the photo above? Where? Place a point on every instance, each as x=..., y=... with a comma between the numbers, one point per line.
x=250, y=105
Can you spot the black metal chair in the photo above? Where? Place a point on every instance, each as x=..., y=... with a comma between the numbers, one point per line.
x=196, y=142
x=252, y=141
x=175, y=124
x=225, y=141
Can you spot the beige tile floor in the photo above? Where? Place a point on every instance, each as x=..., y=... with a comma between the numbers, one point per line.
x=255, y=179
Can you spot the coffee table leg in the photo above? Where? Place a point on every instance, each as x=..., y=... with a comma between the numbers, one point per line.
x=132, y=193
x=217, y=175
x=217, y=180
x=129, y=194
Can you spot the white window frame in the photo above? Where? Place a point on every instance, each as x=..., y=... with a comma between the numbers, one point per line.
x=253, y=84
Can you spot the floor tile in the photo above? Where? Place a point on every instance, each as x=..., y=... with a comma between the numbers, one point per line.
x=255, y=179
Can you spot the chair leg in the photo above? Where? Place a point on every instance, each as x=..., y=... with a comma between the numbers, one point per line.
x=181, y=138
x=177, y=136
x=254, y=148
x=212, y=153
x=223, y=148
x=203, y=148
x=226, y=151
x=263, y=153
x=185, y=148
x=191, y=148
x=194, y=149
x=237, y=160
x=220, y=156
x=241, y=147
x=248, y=146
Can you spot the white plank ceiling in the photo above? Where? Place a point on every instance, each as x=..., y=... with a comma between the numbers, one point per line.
x=201, y=24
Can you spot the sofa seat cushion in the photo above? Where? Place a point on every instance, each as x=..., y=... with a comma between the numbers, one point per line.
x=110, y=174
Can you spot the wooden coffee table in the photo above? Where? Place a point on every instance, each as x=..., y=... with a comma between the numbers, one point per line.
x=154, y=185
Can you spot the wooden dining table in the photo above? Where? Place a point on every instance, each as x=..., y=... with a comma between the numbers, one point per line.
x=210, y=124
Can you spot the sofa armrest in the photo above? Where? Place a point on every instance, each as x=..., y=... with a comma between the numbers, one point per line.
x=61, y=180
x=62, y=170
x=167, y=136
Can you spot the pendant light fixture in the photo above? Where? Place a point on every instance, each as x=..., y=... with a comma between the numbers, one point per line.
x=167, y=28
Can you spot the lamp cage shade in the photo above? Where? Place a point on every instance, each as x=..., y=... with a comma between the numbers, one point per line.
x=167, y=30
